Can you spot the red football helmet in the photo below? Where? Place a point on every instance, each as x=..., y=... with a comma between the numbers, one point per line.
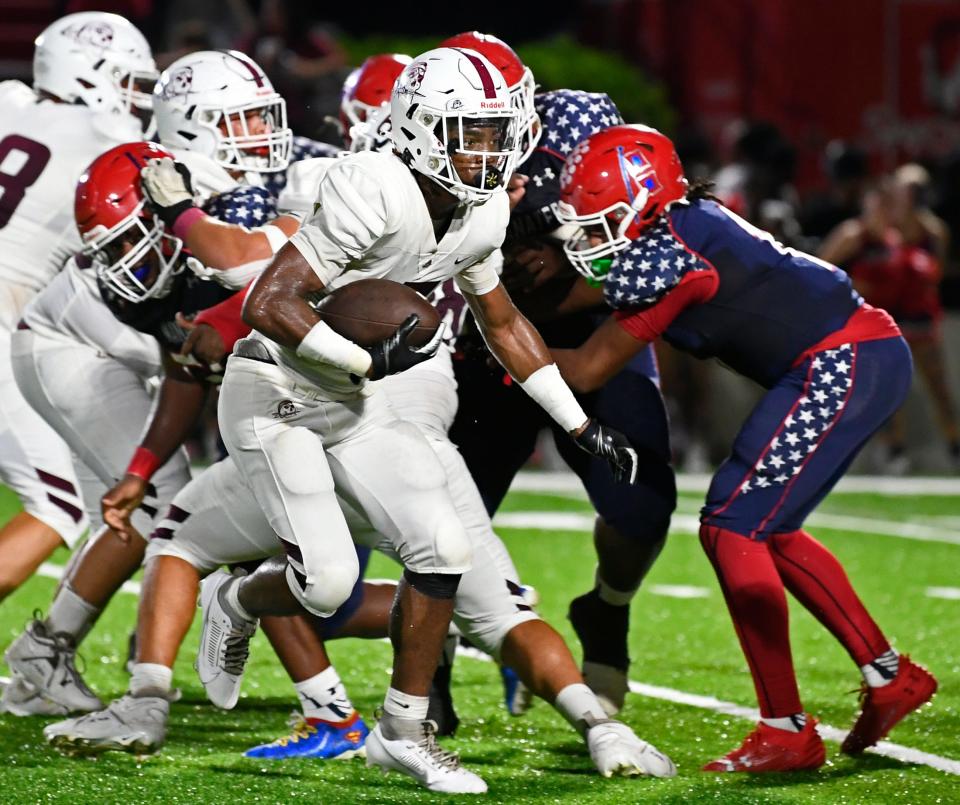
x=133, y=254
x=367, y=87
x=615, y=184
x=519, y=80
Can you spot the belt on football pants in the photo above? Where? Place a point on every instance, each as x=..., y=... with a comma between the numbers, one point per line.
x=254, y=350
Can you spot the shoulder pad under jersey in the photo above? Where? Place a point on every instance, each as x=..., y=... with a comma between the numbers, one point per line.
x=648, y=268
x=303, y=148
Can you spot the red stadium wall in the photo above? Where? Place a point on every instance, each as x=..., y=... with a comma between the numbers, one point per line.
x=883, y=72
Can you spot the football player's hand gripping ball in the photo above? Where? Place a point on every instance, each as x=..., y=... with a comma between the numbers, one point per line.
x=394, y=354
x=167, y=187
x=612, y=446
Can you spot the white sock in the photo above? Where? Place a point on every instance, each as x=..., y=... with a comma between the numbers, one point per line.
x=324, y=697
x=403, y=705
x=616, y=598
x=579, y=705
x=71, y=614
x=150, y=679
x=232, y=600
x=882, y=670
x=794, y=723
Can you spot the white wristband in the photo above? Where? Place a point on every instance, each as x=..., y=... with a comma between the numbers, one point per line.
x=548, y=389
x=324, y=345
x=276, y=237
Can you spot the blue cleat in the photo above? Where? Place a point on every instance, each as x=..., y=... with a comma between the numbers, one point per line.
x=311, y=737
x=517, y=696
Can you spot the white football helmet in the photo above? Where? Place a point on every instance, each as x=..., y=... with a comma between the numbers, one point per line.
x=374, y=132
x=98, y=59
x=203, y=102
x=453, y=121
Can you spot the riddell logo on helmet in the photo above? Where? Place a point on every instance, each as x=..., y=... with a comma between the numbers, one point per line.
x=492, y=104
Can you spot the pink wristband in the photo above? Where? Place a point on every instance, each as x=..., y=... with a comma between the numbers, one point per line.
x=143, y=464
x=185, y=220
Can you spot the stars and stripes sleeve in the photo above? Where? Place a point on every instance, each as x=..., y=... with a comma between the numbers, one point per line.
x=247, y=206
x=654, y=279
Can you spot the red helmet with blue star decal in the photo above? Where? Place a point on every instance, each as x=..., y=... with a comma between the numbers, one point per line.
x=614, y=185
x=133, y=254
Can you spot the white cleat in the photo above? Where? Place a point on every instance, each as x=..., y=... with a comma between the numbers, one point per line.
x=224, y=643
x=47, y=662
x=20, y=698
x=616, y=750
x=135, y=724
x=424, y=760
x=609, y=685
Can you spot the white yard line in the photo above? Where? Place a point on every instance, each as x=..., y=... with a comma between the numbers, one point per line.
x=690, y=524
x=902, y=753
x=533, y=481
x=52, y=571
x=949, y=593
x=885, y=748
x=678, y=590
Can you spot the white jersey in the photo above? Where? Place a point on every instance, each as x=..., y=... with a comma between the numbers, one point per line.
x=303, y=182
x=71, y=307
x=370, y=220
x=44, y=148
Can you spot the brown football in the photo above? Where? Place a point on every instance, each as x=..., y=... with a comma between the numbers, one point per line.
x=368, y=311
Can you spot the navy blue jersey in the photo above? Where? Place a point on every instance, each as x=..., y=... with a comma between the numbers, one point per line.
x=767, y=303
x=303, y=148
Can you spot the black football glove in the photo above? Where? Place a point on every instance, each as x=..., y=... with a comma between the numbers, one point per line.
x=613, y=447
x=167, y=189
x=394, y=354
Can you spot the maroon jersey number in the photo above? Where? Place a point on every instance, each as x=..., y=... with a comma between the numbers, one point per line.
x=27, y=159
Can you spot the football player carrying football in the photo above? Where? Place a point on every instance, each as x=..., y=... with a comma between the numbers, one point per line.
x=372, y=215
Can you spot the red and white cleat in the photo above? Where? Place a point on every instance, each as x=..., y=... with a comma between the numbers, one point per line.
x=769, y=749
x=884, y=708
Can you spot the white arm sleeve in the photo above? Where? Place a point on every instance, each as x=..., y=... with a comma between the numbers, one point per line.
x=483, y=276
x=350, y=215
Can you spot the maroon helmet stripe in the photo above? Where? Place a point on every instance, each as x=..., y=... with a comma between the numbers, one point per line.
x=486, y=80
x=257, y=75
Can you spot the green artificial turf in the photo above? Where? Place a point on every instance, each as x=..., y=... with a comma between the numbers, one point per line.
x=686, y=644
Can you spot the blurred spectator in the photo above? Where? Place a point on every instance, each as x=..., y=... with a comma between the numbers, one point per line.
x=760, y=168
x=894, y=253
x=303, y=59
x=847, y=171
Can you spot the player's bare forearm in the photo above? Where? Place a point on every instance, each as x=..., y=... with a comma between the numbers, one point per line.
x=605, y=353
x=179, y=406
x=220, y=245
x=513, y=340
x=581, y=297
x=277, y=303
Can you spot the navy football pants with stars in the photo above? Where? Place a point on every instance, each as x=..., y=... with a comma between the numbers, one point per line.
x=803, y=434
x=497, y=425
x=794, y=447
